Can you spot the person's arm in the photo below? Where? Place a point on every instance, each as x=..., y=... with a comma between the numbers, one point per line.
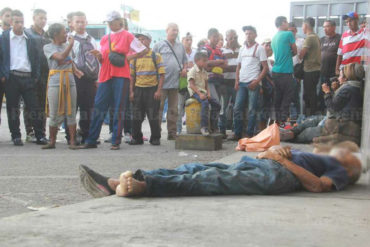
x=237, y=80
x=158, y=93
x=308, y=180
x=61, y=56
x=339, y=62
x=263, y=73
x=337, y=102
x=78, y=73
x=302, y=53
x=293, y=47
x=207, y=89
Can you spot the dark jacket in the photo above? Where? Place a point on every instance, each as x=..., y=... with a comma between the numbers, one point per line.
x=33, y=55
x=347, y=102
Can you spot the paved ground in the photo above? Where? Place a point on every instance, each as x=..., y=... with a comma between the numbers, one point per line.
x=34, y=178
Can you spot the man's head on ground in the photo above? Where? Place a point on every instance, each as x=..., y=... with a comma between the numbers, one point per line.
x=6, y=18
x=232, y=39
x=349, y=161
x=57, y=33
x=187, y=40
x=250, y=34
x=39, y=18
x=201, y=59
x=292, y=28
x=329, y=28
x=351, y=20
x=115, y=21
x=18, y=22
x=308, y=25
x=145, y=39
x=281, y=23
x=267, y=45
x=69, y=21
x=172, y=32
x=79, y=22
x=354, y=72
x=213, y=37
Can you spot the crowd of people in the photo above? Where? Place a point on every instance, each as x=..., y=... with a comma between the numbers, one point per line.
x=58, y=72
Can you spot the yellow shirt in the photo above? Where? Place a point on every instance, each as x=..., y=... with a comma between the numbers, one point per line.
x=200, y=76
x=144, y=68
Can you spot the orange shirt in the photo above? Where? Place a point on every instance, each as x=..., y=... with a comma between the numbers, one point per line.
x=121, y=42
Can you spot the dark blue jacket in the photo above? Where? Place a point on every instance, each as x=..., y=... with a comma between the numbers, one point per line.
x=33, y=55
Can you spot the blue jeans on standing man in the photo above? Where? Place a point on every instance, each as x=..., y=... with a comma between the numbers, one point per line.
x=244, y=95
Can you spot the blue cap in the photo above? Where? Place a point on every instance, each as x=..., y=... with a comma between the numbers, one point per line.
x=352, y=15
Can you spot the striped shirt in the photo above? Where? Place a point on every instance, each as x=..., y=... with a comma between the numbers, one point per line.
x=352, y=47
x=144, y=68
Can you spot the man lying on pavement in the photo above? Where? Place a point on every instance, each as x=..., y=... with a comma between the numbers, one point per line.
x=275, y=171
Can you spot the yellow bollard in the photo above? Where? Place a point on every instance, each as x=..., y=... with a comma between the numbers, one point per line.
x=193, y=116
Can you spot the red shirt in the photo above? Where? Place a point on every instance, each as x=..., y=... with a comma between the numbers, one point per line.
x=120, y=42
x=352, y=46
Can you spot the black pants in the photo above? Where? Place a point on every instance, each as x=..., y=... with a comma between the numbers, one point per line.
x=2, y=93
x=24, y=87
x=86, y=90
x=310, y=81
x=145, y=104
x=284, y=95
x=41, y=87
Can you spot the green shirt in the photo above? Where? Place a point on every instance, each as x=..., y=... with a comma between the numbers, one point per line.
x=281, y=46
x=312, y=59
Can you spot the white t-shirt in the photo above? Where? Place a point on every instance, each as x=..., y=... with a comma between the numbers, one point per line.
x=191, y=55
x=19, y=59
x=231, y=62
x=299, y=43
x=250, y=65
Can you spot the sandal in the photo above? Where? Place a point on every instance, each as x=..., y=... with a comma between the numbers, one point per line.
x=73, y=147
x=48, y=146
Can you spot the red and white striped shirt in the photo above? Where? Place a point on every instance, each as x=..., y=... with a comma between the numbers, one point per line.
x=352, y=47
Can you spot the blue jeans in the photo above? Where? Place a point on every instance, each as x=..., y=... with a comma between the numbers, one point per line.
x=113, y=93
x=249, y=176
x=227, y=94
x=215, y=109
x=244, y=94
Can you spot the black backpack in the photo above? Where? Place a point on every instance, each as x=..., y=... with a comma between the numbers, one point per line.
x=87, y=62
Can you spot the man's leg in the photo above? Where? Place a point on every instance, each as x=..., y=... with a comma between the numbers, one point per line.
x=252, y=110
x=164, y=95
x=181, y=109
x=2, y=93
x=310, y=82
x=152, y=110
x=12, y=94
x=121, y=88
x=204, y=111
x=226, y=95
x=287, y=90
x=172, y=113
x=102, y=101
x=138, y=115
x=215, y=112
x=240, y=101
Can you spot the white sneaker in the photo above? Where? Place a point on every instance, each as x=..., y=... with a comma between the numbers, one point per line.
x=204, y=131
x=127, y=137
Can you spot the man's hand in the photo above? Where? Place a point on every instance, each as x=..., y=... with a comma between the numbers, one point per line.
x=71, y=40
x=271, y=155
x=131, y=96
x=209, y=95
x=157, y=95
x=183, y=73
x=334, y=85
x=252, y=86
x=97, y=54
x=236, y=87
x=78, y=73
x=283, y=151
x=202, y=96
x=325, y=88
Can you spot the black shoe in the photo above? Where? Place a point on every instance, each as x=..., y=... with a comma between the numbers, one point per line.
x=155, y=142
x=88, y=146
x=94, y=183
x=17, y=142
x=42, y=141
x=234, y=138
x=135, y=142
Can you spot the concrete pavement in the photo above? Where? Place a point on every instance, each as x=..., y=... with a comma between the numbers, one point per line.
x=298, y=219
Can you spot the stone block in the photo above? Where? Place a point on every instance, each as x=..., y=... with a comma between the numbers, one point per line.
x=199, y=142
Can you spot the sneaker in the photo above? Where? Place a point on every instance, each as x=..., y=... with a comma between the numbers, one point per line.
x=126, y=138
x=135, y=142
x=31, y=138
x=204, y=131
x=17, y=142
x=155, y=142
x=42, y=141
x=94, y=183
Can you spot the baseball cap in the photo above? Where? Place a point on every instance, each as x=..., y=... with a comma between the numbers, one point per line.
x=352, y=15
x=113, y=15
x=147, y=35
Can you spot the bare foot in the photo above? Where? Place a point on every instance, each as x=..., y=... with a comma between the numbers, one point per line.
x=113, y=183
x=130, y=186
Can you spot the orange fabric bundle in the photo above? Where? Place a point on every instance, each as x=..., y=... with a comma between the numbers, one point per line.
x=266, y=138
